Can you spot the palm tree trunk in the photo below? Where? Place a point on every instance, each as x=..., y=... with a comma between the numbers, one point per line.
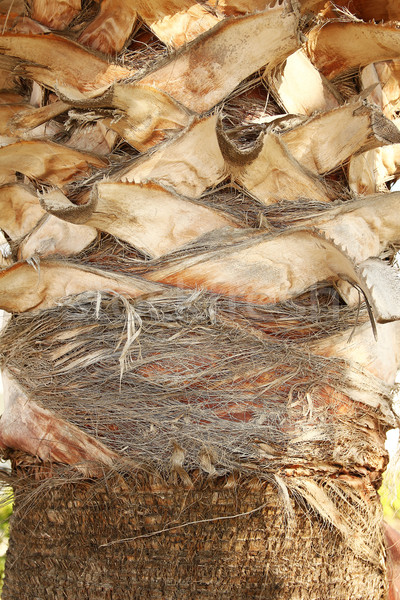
x=208, y=542
x=204, y=329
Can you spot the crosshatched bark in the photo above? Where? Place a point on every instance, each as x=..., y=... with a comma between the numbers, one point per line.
x=208, y=549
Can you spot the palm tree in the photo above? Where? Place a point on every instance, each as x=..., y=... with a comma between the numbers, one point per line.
x=204, y=319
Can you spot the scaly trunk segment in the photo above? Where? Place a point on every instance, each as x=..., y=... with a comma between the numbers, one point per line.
x=220, y=540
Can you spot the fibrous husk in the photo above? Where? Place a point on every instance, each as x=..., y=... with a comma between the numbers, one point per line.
x=148, y=339
x=248, y=403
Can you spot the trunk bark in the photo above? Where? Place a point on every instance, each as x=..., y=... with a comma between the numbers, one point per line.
x=214, y=541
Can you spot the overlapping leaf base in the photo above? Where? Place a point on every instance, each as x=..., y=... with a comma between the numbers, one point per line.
x=198, y=293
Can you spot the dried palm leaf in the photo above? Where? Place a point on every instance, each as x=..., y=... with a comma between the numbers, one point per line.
x=30, y=286
x=46, y=162
x=271, y=173
x=300, y=88
x=20, y=210
x=369, y=172
x=378, y=355
x=213, y=65
x=29, y=117
x=151, y=218
x=363, y=228
x=190, y=165
x=336, y=47
x=180, y=28
x=328, y=139
x=73, y=72
x=29, y=427
x=148, y=113
x=16, y=23
x=367, y=10
x=385, y=77
x=93, y=137
x=56, y=14
x=190, y=162
x=239, y=7
x=54, y=236
x=111, y=28
x=260, y=268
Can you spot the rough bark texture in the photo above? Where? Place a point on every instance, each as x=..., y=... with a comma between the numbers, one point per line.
x=181, y=234
x=56, y=543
